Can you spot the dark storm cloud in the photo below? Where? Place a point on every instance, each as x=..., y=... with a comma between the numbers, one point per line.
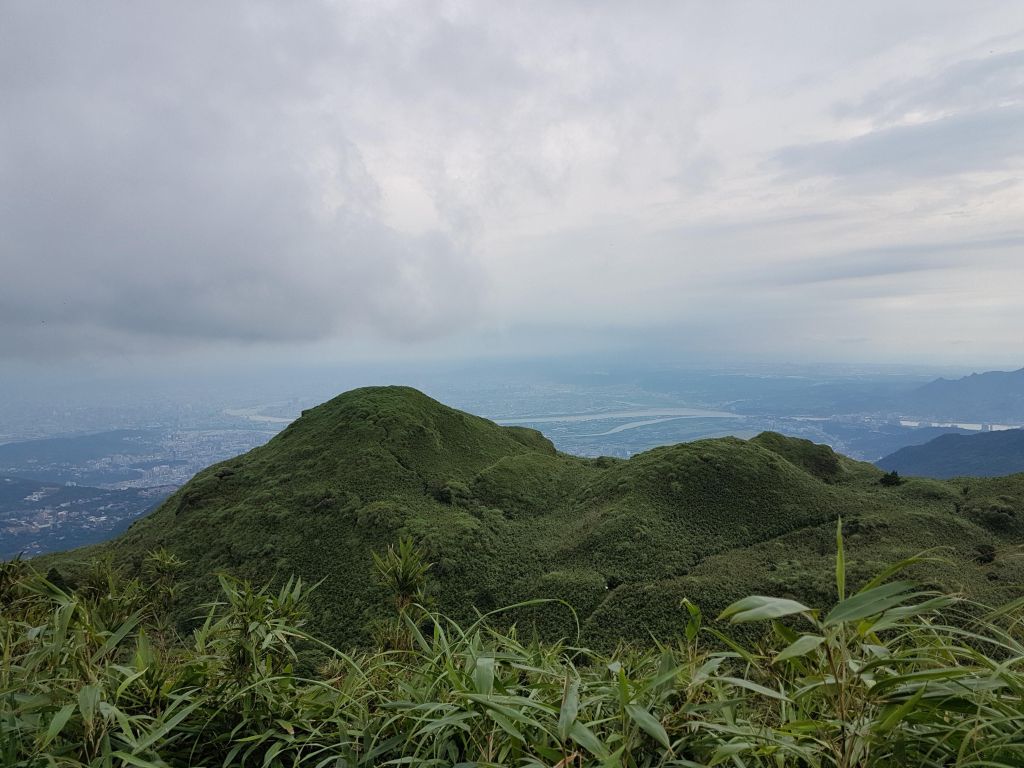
x=173, y=175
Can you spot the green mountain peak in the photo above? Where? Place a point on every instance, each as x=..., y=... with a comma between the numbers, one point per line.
x=505, y=517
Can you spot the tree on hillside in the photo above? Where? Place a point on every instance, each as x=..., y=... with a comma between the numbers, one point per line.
x=891, y=479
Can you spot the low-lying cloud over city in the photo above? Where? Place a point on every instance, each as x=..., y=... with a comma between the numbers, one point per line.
x=815, y=180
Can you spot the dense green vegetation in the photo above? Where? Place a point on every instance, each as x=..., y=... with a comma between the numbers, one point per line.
x=981, y=455
x=97, y=676
x=504, y=518
x=481, y=599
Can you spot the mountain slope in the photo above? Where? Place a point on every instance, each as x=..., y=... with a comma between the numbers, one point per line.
x=988, y=454
x=504, y=517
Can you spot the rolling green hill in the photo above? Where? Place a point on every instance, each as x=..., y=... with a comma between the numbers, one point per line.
x=505, y=517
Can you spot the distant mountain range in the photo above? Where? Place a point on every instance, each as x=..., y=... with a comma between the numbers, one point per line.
x=989, y=454
x=995, y=397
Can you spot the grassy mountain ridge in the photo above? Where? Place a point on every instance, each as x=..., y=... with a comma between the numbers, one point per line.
x=505, y=517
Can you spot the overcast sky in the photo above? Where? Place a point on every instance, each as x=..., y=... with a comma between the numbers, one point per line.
x=813, y=181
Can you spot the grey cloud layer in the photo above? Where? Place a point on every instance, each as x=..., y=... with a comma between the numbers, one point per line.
x=896, y=260
x=968, y=117
x=975, y=142
x=169, y=175
x=974, y=83
x=181, y=174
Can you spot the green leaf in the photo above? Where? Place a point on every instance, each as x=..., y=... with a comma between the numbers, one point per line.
x=785, y=633
x=894, y=616
x=896, y=715
x=624, y=697
x=587, y=739
x=137, y=761
x=115, y=639
x=799, y=647
x=126, y=683
x=727, y=751
x=740, y=682
x=706, y=670
x=738, y=649
x=840, y=561
x=694, y=622
x=869, y=602
x=168, y=725
x=666, y=675
x=760, y=607
x=902, y=565
x=268, y=758
x=88, y=702
x=649, y=723
x=454, y=720
x=570, y=709
x=506, y=725
x=59, y=721
x=483, y=675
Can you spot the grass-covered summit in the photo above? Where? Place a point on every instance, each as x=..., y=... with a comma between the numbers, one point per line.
x=505, y=517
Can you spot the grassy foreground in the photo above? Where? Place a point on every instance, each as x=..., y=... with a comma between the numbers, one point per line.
x=889, y=676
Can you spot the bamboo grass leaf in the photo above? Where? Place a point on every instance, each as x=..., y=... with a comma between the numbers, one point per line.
x=760, y=607
x=58, y=722
x=649, y=723
x=483, y=675
x=895, y=715
x=138, y=762
x=840, y=561
x=88, y=703
x=506, y=725
x=799, y=647
x=570, y=708
x=587, y=739
x=869, y=602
